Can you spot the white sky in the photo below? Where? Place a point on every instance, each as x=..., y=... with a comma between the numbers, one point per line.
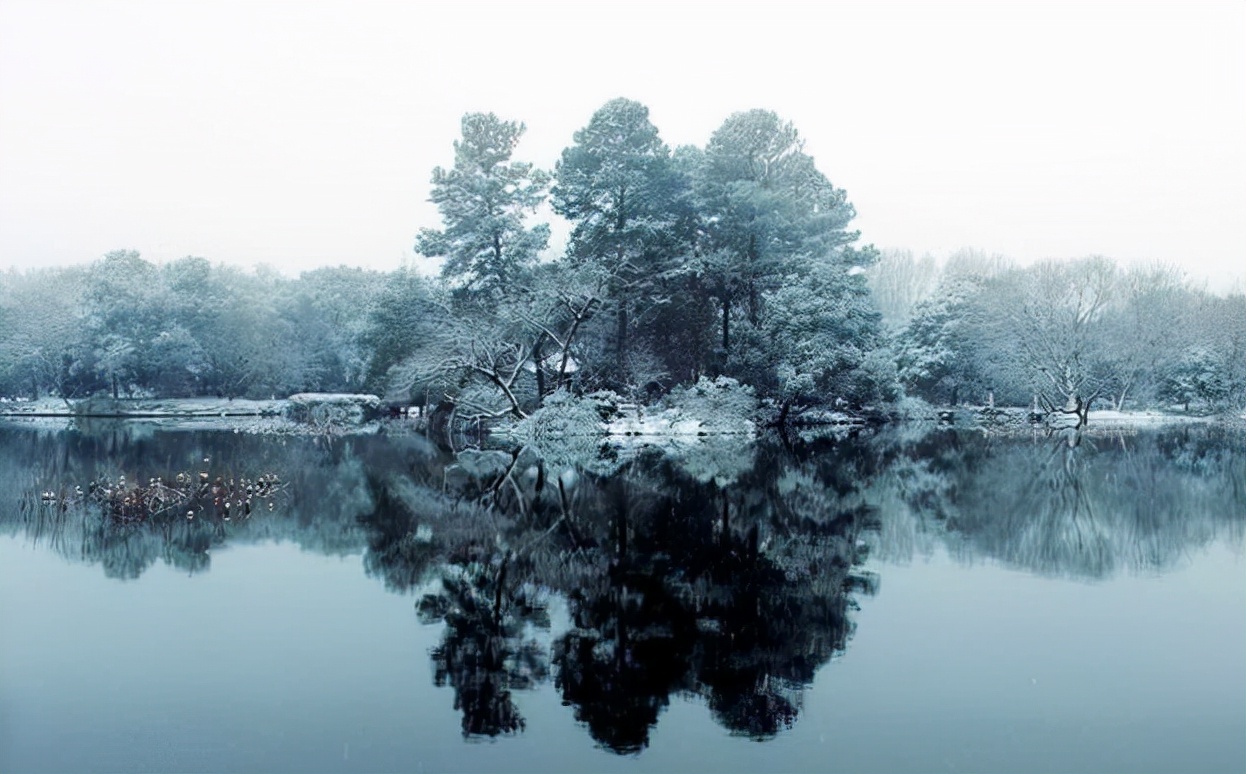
x=301, y=134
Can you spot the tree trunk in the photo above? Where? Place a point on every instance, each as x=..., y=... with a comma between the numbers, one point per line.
x=1119, y=402
x=1083, y=412
x=753, y=300
x=579, y=316
x=621, y=352
x=1070, y=416
x=726, y=328
x=537, y=361
x=504, y=386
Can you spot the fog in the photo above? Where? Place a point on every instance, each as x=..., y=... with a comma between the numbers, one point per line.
x=304, y=136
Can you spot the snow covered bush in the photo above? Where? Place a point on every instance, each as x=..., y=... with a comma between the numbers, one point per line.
x=722, y=405
x=1198, y=378
x=914, y=409
x=563, y=415
x=568, y=432
x=875, y=379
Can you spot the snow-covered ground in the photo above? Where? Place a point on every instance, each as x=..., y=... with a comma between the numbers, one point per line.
x=1139, y=418
x=239, y=415
x=149, y=407
x=335, y=399
x=633, y=422
x=671, y=422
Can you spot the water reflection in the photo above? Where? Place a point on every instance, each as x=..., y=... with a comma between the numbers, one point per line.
x=327, y=492
x=721, y=571
x=1088, y=509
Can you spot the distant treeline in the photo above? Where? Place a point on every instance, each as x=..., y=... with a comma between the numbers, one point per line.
x=187, y=328
x=1078, y=330
x=734, y=260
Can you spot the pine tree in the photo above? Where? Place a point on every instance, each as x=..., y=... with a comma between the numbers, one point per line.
x=483, y=200
x=767, y=213
x=618, y=188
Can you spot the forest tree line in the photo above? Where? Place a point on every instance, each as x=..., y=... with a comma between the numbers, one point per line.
x=734, y=259
x=1140, y=337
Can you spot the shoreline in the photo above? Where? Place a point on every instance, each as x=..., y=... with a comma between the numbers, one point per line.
x=272, y=412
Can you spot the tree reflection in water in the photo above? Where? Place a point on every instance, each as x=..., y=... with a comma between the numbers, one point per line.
x=484, y=654
x=677, y=583
x=724, y=571
x=1069, y=506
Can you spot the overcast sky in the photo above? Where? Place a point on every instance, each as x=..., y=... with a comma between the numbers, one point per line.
x=301, y=134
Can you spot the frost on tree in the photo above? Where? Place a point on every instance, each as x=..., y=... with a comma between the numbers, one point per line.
x=483, y=200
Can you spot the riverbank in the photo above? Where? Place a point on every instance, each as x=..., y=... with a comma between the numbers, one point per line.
x=1101, y=421
x=322, y=413
x=628, y=421
x=145, y=408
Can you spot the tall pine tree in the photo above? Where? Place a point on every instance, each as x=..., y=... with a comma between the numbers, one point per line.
x=618, y=188
x=483, y=200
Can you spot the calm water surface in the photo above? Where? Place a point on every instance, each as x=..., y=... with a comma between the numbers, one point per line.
x=905, y=601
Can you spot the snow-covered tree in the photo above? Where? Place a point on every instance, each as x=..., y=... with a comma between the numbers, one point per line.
x=126, y=309
x=476, y=362
x=767, y=214
x=484, y=199
x=1145, y=331
x=44, y=346
x=899, y=282
x=1224, y=318
x=398, y=323
x=819, y=330
x=936, y=352
x=1200, y=377
x=621, y=192
x=330, y=308
x=1052, y=313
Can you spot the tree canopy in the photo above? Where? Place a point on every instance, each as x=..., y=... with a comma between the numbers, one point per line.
x=735, y=259
x=483, y=200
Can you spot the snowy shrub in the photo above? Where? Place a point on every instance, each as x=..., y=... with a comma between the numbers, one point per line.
x=479, y=400
x=913, y=409
x=565, y=415
x=722, y=405
x=1198, y=378
x=875, y=379
x=606, y=403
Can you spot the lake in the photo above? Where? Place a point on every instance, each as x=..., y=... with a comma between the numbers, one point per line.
x=912, y=599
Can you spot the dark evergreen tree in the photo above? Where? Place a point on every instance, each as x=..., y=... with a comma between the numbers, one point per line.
x=766, y=213
x=622, y=194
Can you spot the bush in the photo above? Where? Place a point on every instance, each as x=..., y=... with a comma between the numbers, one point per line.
x=913, y=409
x=564, y=415
x=722, y=405
x=875, y=379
